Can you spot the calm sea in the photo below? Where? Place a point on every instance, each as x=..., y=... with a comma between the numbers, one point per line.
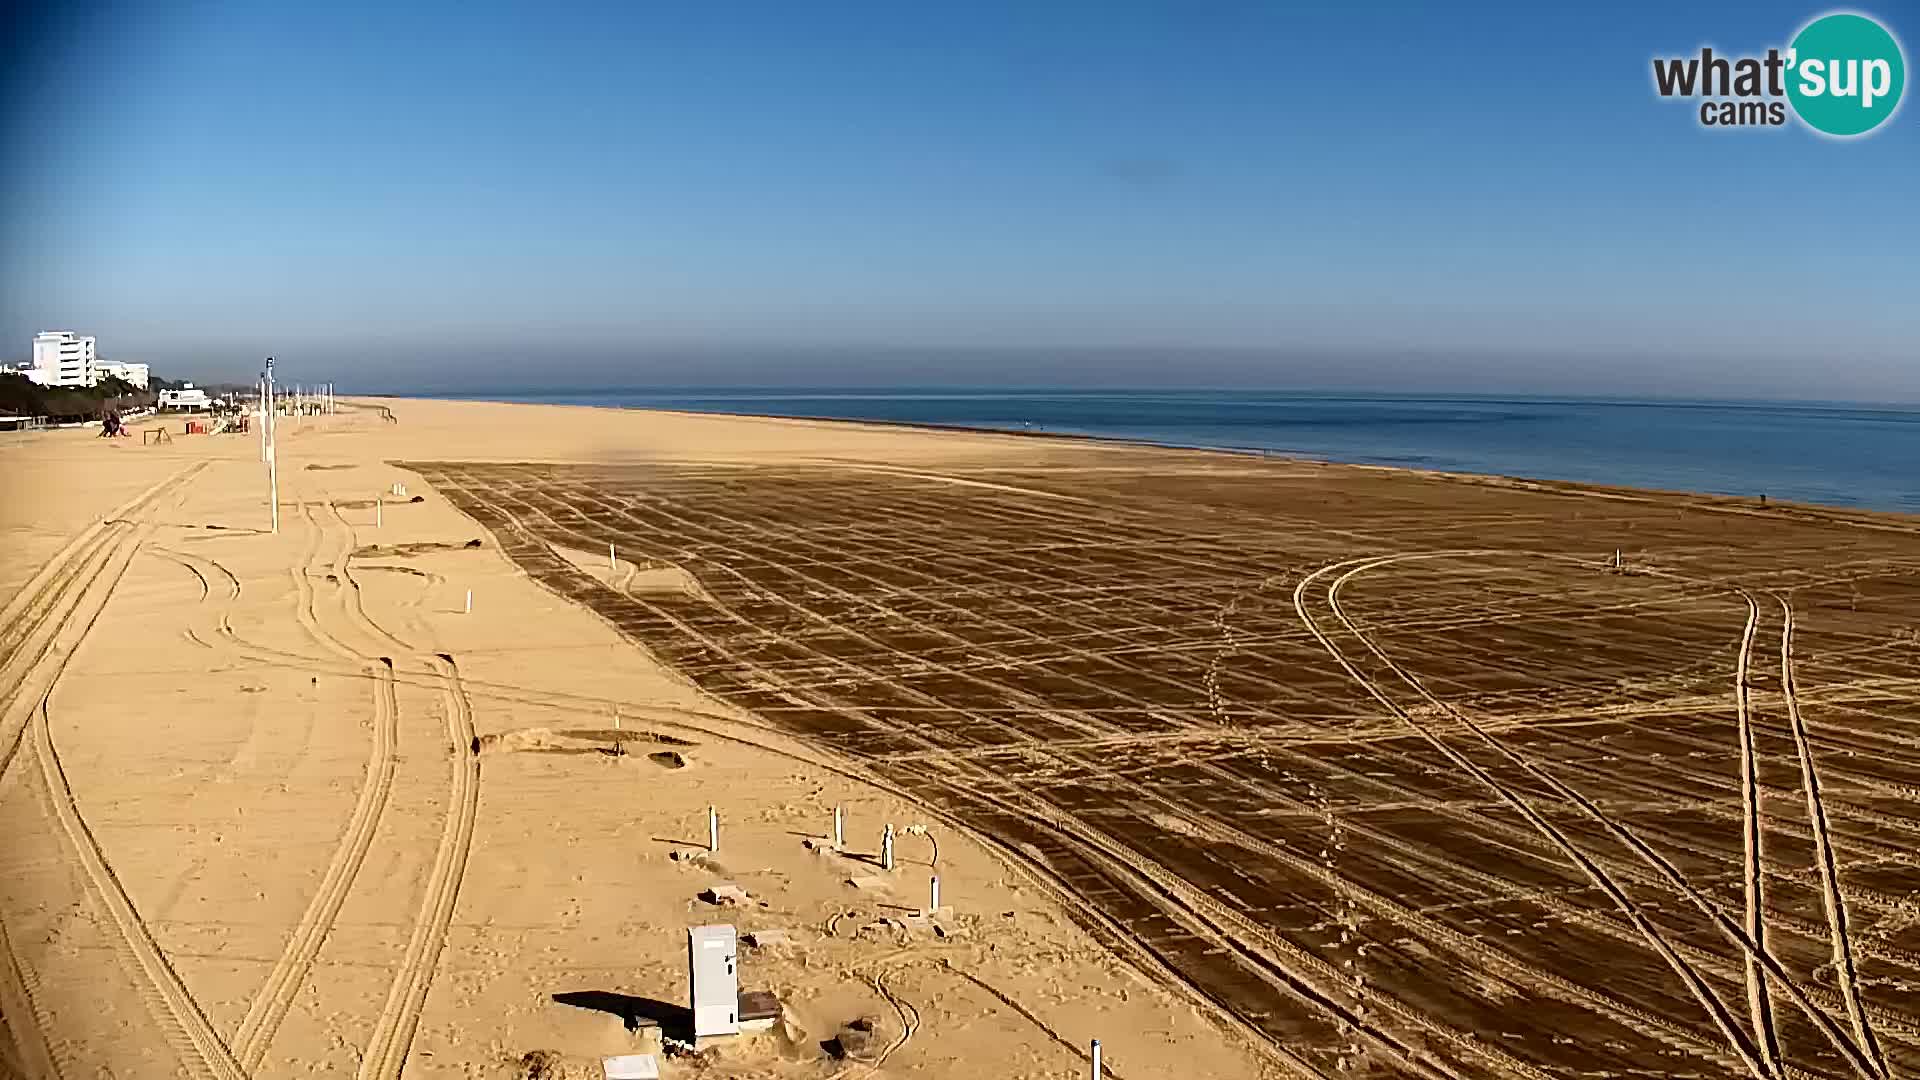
x=1839, y=455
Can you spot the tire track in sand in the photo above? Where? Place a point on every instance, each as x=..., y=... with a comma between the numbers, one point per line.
x=42, y=590
x=386, y=1052
x=290, y=971
x=1733, y=932
x=292, y=967
x=26, y=1021
x=187, y=1028
x=1716, y=1009
x=1824, y=862
x=108, y=550
x=37, y=625
x=1759, y=1005
x=41, y=626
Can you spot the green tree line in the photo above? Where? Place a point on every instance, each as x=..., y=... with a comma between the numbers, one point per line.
x=22, y=396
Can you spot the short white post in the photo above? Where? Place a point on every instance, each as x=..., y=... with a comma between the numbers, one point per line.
x=469, y=601
x=379, y=511
x=713, y=829
x=1096, y=1059
x=886, y=848
x=934, y=890
x=273, y=484
x=612, y=563
x=839, y=829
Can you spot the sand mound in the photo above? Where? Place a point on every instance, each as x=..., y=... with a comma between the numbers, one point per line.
x=649, y=577
x=403, y=550
x=857, y=1039
x=552, y=1065
x=540, y=740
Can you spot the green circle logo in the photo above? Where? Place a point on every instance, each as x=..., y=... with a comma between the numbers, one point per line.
x=1845, y=74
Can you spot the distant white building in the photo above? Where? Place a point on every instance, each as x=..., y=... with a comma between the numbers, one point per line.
x=188, y=398
x=137, y=374
x=63, y=358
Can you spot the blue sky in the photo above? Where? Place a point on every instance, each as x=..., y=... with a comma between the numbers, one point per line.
x=1405, y=197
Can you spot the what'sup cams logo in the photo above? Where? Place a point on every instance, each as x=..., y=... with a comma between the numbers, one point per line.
x=1843, y=75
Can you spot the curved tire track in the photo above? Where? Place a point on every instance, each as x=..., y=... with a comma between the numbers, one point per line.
x=290, y=971
x=386, y=1053
x=103, y=554
x=1759, y=1005
x=292, y=967
x=1824, y=862
x=187, y=1028
x=26, y=1022
x=1716, y=1009
x=1666, y=870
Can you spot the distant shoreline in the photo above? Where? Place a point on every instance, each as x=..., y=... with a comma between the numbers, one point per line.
x=1868, y=517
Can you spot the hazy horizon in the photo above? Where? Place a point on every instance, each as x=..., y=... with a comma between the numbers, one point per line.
x=506, y=371
x=427, y=198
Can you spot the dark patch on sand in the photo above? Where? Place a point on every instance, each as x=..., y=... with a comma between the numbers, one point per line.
x=402, y=551
x=394, y=569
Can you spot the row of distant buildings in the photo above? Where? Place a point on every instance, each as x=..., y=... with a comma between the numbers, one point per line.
x=64, y=358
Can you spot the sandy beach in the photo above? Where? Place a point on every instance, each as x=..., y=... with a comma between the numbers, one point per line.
x=1243, y=767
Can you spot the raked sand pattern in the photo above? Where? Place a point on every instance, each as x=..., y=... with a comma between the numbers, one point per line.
x=1243, y=767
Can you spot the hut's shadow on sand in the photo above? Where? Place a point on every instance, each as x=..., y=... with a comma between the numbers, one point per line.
x=674, y=1021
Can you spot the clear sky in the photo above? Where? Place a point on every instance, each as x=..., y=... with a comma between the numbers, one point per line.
x=414, y=196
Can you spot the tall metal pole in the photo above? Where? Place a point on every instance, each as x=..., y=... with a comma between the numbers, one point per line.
x=273, y=464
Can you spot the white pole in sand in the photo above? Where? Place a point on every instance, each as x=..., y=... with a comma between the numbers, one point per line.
x=1096, y=1059
x=469, y=601
x=260, y=398
x=273, y=456
x=886, y=848
x=839, y=829
x=934, y=889
x=612, y=563
x=379, y=511
x=713, y=829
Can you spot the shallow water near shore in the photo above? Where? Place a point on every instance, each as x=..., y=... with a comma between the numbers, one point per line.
x=1831, y=454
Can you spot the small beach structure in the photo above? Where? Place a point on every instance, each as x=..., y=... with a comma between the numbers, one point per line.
x=713, y=978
